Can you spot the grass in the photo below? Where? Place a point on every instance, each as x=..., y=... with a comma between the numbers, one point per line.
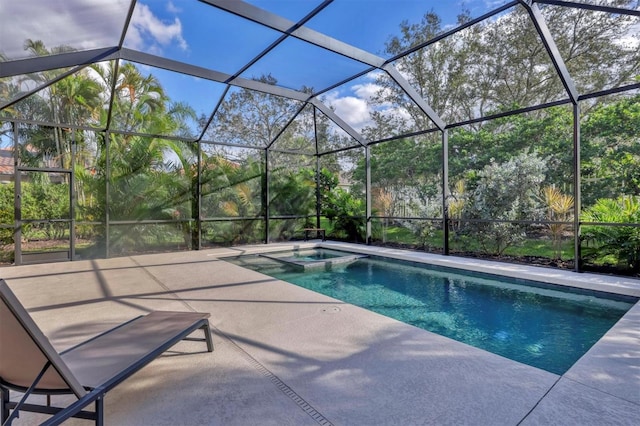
x=535, y=247
x=398, y=234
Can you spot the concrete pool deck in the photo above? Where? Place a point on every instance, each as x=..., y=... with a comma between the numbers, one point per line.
x=287, y=356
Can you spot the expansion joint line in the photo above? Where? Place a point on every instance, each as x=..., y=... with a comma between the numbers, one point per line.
x=540, y=400
x=282, y=386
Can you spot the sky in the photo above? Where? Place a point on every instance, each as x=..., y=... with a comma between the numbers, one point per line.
x=197, y=33
x=202, y=35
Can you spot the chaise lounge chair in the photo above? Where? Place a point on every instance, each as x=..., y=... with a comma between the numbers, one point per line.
x=30, y=364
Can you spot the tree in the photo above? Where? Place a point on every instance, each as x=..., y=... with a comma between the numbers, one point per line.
x=611, y=150
x=251, y=118
x=500, y=64
x=505, y=192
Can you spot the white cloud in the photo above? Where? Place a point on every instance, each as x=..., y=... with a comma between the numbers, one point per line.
x=365, y=91
x=356, y=107
x=81, y=24
x=84, y=24
x=148, y=32
x=354, y=110
x=631, y=40
x=172, y=8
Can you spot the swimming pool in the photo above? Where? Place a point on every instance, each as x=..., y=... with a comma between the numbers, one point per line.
x=546, y=326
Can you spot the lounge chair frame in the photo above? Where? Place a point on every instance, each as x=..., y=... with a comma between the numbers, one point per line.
x=64, y=366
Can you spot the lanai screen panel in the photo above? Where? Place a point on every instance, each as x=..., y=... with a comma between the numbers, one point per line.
x=601, y=49
x=406, y=176
x=300, y=65
x=292, y=194
x=332, y=137
x=44, y=146
x=231, y=182
x=292, y=10
x=508, y=179
x=7, y=194
x=610, y=152
x=9, y=91
x=147, y=179
x=89, y=173
x=46, y=27
x=29, y=97
x=159, y=102
x=250, y=118
x=7, y=172
x=176, y=30
x=497, y=65
x=378, y=22
x=406, y=195
x=374, y=105
x=79, y=99
x=343, y=197
x=610, y=149
x=299, y=136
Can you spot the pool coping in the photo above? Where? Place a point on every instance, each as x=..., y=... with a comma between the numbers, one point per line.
x=287, y=355
x=625, y=286
x=608, y=369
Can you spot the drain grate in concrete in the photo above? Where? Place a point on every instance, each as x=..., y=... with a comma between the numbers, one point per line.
x=282, y=386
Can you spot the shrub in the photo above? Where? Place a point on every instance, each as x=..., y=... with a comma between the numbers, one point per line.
x=505, y=192
x=346, y=215
x=621, y=242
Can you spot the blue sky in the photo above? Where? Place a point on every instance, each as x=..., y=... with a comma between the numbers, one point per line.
x=197, y=33
x=203, y=35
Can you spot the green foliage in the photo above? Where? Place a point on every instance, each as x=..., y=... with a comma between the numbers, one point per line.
x=559, y=208
x=344, y=211
x=620, y=242
x=6, y=212
x=505, y=192
x=466, y=75
x=611, y=150
x=346, y=214
x=293, y=193
x=42, y=199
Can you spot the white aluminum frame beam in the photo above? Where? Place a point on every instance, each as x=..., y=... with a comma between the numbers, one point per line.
x=278, y=23
x=552, y=49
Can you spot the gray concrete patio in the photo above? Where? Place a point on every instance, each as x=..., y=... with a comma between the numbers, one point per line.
x=288, y=356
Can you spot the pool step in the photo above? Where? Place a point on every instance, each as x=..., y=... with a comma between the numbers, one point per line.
x=315, y=263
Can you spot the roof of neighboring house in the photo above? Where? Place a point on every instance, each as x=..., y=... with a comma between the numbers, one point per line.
x=6, y=161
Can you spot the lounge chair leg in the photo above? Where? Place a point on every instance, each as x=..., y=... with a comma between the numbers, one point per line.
x=4, y=404
x=100, y=411
x=207, y=336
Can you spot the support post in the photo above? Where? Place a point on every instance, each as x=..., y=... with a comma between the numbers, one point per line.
x=445, y=191
x=198, y=201
x=577, y=194
x=367, y=151
x=17, y=194
x=265, y=195
x=72, y=198
x=107, y=174
x=318, y=180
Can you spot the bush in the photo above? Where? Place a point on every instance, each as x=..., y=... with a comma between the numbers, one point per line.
x=620, y=242
x=505, y=192
x=346, y=215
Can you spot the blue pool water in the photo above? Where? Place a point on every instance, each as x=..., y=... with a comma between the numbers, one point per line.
x=539, y=325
